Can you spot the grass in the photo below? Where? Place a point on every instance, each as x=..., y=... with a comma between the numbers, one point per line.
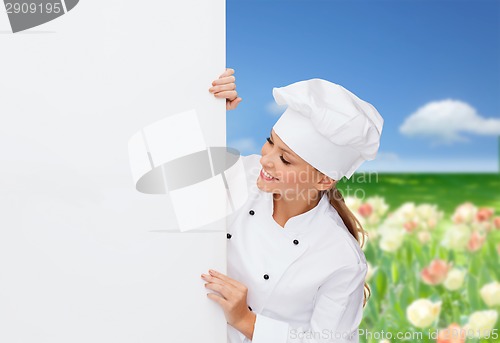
x=447, y=190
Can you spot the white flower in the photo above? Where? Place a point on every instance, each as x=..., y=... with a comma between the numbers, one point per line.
x=373, y=220
x=378, y=204
x=393, y=219
x=405, y=217
x=465, y=213
x=391, y=239
x=424, y=237
x=408, y=209
x=422, y=312
x=426, y=210
x=353, y=203
x=491, y=293
x=457, y=237
x=455, y=279
x=481, y=323
x=429, y=216
x=372, y=234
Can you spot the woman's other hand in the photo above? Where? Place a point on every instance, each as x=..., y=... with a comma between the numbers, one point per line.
x=232, y=297
x=225, y=87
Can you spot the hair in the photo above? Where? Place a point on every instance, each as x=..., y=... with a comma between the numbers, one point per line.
x=352, y=224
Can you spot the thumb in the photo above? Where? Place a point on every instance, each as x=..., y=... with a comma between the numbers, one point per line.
x=233, y=103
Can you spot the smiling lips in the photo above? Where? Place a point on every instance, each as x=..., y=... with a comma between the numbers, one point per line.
x=266, y=176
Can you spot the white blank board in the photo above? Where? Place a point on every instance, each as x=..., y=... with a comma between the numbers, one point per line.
x=84, y=257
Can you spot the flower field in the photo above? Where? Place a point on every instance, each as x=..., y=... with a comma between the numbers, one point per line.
x=433, y=249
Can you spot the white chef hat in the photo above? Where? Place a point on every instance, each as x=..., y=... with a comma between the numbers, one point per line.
x=328, y=126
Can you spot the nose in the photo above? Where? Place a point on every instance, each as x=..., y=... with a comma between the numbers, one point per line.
x=266, y=162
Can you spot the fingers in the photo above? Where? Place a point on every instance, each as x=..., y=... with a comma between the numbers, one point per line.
x=227, y=72
x=213, y=279
x=216, y=275
x=231, y=105
x=218, y=285
x=224, y=80
x=223, y=87
x=220, y=288
x=230, y=95
x=217, y=298
x=221, y=279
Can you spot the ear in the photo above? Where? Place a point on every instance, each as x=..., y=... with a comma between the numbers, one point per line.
x=326, y=183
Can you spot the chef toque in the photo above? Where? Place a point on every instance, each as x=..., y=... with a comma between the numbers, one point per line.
x=328, y=126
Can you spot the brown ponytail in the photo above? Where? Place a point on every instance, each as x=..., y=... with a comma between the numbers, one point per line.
x=352, y=224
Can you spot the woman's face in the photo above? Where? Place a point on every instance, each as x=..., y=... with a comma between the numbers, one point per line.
x=292, y=177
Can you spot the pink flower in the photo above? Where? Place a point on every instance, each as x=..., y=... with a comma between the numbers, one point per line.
x=484, y=214
x=436, y=272
x=476, y=241
x=452, y=334
x=410, y=226
x=365, y=210
x=496, y=222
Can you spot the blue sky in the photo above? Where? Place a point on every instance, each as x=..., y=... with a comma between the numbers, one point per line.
x=431, y=68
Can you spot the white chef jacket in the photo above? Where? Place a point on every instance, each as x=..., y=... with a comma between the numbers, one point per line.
x=308, y=275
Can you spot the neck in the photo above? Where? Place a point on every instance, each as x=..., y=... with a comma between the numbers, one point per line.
x=285, y=209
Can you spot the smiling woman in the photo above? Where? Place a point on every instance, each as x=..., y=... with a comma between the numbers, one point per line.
x=296, y=185
x=295, y=263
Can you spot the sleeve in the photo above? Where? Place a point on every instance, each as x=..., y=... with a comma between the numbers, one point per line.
x=337, y=313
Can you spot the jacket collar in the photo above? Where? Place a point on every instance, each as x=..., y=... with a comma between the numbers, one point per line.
x=300, y=223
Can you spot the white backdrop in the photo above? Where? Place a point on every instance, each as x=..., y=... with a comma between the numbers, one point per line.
x=84, y=257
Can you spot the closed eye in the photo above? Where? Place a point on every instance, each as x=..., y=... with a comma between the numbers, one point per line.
x=281, y=156
x=284, y=161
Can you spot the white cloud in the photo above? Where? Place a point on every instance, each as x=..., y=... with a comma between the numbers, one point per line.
x=445, y=121
x=245, y=146
x=275, y=109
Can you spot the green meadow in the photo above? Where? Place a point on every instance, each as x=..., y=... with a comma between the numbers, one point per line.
x=447, y=190
x=397, y=281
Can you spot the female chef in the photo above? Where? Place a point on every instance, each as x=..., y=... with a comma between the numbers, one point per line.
x=296, y=270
